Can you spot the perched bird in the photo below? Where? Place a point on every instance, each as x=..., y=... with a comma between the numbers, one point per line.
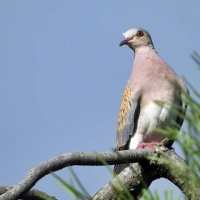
x=151, y=80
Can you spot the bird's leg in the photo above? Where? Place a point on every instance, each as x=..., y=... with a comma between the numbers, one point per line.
x=149, y=144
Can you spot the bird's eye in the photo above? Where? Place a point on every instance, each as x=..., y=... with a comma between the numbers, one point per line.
x=140, y=34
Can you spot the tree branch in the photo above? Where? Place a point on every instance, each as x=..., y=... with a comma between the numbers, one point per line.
x=32, y=194
x=69, y=159
x=137, y=177
x=92, y=159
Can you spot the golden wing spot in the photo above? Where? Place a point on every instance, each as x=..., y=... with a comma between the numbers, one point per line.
x=124, y=106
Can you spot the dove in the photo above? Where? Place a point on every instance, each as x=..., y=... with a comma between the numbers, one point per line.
x=151, y=81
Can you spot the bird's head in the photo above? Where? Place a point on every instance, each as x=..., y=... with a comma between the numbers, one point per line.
x=137, y=37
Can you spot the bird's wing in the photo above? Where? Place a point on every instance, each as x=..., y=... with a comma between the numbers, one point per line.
x=128, y=115
x=127, y=121
x=181, y=109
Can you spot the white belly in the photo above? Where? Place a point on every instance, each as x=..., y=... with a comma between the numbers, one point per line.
x=151, y=117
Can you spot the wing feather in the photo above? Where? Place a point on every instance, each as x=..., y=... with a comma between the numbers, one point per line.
x=127, y=121
x=127, y=116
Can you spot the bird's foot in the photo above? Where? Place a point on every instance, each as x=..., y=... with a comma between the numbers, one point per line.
x=149, y=144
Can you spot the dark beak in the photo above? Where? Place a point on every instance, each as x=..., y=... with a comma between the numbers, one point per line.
x=125, y=41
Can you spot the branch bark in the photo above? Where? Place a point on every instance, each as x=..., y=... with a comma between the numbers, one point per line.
x=137, y=177
x=159, y=167
x=32, y=194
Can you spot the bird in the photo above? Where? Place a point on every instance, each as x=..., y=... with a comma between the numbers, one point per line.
x=151, y=81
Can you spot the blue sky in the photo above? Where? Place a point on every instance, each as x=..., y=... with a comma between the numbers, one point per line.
x=63, y=74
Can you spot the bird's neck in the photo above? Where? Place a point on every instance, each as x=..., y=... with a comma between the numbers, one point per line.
x=144, y=59
x=152, y=47
x=144, y=49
